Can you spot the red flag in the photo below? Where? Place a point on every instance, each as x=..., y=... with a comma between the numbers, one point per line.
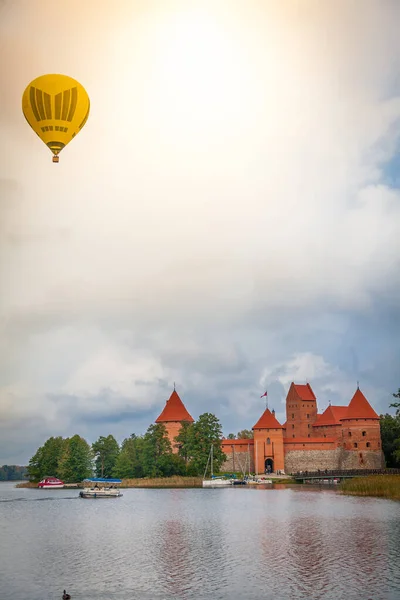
x=265, y=394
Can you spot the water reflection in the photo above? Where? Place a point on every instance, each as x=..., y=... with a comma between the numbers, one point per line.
x=201, y=545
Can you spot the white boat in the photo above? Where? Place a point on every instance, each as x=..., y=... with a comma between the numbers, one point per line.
x=108, y=488
x=214, y=481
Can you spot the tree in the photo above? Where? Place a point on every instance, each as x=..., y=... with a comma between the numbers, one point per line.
x=245, y=434
x=155, y=445
x=206, y=431
x=390, y=434
x=231, y=436
x=182, y=439
x=129, y=461
x=106, y=451
x=12, y=473
x=76, y=462
x=46, y=460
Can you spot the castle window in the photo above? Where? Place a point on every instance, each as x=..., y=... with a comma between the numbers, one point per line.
x=324, y=434
x=308, y=416
x=349, y=433
x=364, y=433
x=355, y=445
x=292, y=426
x=294, y=435
x=379, y=444
x=268, y=441
x=308, y=426
x=368, y=444
x=292, y=415
x=308, y=435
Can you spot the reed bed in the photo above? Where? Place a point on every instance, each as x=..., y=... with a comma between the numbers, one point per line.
x=163, y=482
x=378, y=486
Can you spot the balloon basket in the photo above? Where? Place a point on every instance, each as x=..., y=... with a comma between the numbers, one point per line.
x=56, y=159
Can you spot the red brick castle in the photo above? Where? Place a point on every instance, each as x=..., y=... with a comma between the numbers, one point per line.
x=342, y=437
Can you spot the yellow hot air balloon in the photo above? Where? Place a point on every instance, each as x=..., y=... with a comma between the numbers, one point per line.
x=56, y=107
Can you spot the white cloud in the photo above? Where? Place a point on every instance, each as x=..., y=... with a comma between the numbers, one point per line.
x=230, y=178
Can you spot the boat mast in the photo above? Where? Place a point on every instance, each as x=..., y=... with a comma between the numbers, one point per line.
x=212, y=472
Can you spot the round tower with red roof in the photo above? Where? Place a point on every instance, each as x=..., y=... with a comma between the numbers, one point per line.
x=172, y=417
x=361, y=430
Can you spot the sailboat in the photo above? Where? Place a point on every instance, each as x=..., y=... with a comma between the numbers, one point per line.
x=214, y=481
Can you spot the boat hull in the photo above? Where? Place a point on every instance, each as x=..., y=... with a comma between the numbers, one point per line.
x=50, y=483
x=216, y=482
x=97, y=494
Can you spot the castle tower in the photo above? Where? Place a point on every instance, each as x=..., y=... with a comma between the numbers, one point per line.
x=268, y=443
x=301, y=411
x=173, y=415
x=361, y=431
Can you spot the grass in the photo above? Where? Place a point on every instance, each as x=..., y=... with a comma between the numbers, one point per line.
x=163, y=482
x=377, y=486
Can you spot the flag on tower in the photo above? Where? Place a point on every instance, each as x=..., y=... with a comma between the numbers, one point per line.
x=264, y=395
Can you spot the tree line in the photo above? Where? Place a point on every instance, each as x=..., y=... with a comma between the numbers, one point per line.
x=12, y=473
x=390, y=434
x=149, y=455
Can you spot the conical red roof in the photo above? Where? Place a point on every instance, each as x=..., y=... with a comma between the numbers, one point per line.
x=267, y=421
x=174, y=410
x=359, y=408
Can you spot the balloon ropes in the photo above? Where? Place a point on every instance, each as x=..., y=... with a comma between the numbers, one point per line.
x=56, y=107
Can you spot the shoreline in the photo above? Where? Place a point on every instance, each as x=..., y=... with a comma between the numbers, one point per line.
x=155, y=482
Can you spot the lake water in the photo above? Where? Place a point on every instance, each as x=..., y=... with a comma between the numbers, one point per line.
x=241, y=542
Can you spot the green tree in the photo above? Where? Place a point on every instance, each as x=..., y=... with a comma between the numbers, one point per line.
x=46, y=460
x=245, y=434
x=129, y=462
x=182, y=439
x=106, y=451
x=76, y=461
x=390, y=434
x=206, y=431
x=231, y=436
x=155, y=445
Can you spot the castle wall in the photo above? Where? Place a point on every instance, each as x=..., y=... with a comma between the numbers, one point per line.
x=361, y=434
x=327, y=430
x=338, y=458
x=238, y=461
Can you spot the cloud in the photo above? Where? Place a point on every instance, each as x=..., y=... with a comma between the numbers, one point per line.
x=225, y=219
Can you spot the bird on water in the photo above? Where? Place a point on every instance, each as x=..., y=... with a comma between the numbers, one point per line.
x=66, y=596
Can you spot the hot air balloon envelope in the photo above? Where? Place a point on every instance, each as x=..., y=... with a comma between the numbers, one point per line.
x=56, y=107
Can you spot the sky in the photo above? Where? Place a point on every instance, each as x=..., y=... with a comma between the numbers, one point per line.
x=228, y=219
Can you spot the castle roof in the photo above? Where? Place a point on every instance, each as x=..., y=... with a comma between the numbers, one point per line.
x=331, y=416
x=174, y=410
x=359, y=408
x=267, y=421
x=304, y=391
x=239, y=442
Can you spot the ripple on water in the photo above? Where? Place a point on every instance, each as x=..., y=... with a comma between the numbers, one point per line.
x=199, y=544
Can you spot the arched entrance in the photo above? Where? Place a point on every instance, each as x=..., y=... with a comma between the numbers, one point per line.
x=269, y=465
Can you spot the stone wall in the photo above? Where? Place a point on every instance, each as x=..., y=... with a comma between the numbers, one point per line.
x=241, y=460
x=312, y=460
